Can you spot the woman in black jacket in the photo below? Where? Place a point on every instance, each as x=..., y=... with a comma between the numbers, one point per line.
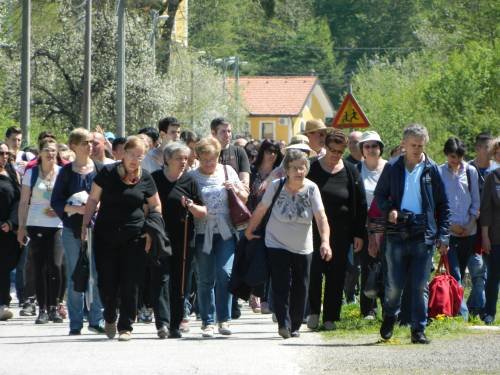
x=343, y=195
x=10, y=250
x=180, y=201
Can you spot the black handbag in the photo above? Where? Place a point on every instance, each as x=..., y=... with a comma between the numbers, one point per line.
x=373, y=281
x=81, y=273
x=256, y=250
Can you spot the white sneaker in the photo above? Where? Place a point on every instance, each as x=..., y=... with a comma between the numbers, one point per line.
x=313, y=321
x=224, y=329
x=207, y=331
x=5, y=313
x=184, y=326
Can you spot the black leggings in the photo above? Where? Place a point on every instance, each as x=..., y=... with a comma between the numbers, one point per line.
x=9, y=256
x=47, y=256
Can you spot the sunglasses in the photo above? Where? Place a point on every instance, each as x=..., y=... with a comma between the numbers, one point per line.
x=373, y=145
x=4, y=153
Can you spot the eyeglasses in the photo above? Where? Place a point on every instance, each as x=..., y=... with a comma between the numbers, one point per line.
x=334, y=151
x=4, y=153
x=372, y=145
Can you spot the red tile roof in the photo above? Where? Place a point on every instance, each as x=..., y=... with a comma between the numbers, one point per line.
x=283, y=96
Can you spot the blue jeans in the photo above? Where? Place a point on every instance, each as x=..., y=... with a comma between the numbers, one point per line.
x=75, y=300
x=477, y=271
x=461, y=250
x=215, y=269
x=407, y=257
x=493, y=262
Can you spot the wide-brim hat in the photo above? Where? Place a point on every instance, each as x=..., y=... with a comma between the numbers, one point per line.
x=314, y=125
x=370, y=135
x=299, y=146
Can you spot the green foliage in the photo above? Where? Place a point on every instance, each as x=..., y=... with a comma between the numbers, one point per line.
x=275, y=38
x=191, y=91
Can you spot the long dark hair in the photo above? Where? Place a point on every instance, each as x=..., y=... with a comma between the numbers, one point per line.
x=268, y=145
x=11, y=171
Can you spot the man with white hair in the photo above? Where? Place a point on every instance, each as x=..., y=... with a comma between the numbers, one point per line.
x=411, y=195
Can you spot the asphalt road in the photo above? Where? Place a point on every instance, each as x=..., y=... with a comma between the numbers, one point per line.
x=254, y=348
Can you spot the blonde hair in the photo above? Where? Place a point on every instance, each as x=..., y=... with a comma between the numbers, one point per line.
x=208, y=145
x=135, y=142
x=77, y=136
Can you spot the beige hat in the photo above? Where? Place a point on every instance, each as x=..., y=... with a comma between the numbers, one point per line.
x=370, y=135
x=314, y=125
x=300, y=142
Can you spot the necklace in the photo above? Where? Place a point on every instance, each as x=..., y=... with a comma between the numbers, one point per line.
x=47, y=179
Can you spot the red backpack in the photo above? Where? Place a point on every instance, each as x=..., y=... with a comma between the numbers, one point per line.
x=445, y=293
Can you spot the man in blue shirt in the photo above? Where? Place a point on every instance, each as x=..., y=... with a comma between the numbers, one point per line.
x=410, y=193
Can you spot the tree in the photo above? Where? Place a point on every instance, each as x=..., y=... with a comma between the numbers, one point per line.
x=58, y=76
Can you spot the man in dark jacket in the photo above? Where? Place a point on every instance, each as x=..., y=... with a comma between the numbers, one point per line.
x=412, y=197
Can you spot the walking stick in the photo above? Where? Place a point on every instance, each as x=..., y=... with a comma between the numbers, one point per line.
x=184, y=252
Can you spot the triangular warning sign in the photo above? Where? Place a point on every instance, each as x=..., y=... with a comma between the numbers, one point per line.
x=350, y=115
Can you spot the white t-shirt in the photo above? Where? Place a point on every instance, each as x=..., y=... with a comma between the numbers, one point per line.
x=370, y=179
x=152, y=160
x=40, y=200
x=290, y=224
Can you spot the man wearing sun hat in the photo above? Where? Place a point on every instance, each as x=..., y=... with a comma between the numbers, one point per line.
x=316, y=132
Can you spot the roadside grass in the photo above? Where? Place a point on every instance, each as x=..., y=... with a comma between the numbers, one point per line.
x=353, y=325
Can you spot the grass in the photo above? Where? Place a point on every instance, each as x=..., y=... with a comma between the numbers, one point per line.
x=353, y=325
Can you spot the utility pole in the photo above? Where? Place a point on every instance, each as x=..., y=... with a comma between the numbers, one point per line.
x=26, y=72
x=87, y=94
x=120, y=70
x=237, y=90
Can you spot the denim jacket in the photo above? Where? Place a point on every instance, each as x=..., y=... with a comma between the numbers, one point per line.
x=390, y=189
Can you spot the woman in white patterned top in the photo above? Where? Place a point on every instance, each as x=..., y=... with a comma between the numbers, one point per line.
x=289, y=239
x=215, y=237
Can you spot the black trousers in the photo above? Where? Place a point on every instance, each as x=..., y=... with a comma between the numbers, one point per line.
x=158, y=290
x=289, y=284
x=334, y=272
x=120, y=263
x=9, y=256
x=46, y=254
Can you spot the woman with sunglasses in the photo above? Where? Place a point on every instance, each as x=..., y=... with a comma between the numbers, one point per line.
x=344, y=199
x=10, y=250
x=370, y=168
x=38, y=220
x=76, y=178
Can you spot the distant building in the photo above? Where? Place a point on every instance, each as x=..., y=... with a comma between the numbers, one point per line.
x=279, y=106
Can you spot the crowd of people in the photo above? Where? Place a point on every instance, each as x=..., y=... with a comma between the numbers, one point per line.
x=153, y=211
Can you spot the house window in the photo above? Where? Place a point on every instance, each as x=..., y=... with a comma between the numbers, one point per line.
x=267, y=130
x=302, y=126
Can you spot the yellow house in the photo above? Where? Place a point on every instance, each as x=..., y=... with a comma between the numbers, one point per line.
x=279, y=106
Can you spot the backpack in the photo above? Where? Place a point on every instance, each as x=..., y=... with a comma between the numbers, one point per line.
x=445, y=293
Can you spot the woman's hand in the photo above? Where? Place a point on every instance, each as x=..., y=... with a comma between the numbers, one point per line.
x=5, y=227
x=325, y=251
x=250, y=236
x=229, y=185
x=357, y=244
x=21, y=235
x=486, y=244
x=186, y=202
x=50, y=212
x=149, y=241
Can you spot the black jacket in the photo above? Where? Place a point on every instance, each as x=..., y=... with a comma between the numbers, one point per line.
x=160, y=244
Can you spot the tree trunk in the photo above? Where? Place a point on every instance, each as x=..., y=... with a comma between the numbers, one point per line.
x=171, y=7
